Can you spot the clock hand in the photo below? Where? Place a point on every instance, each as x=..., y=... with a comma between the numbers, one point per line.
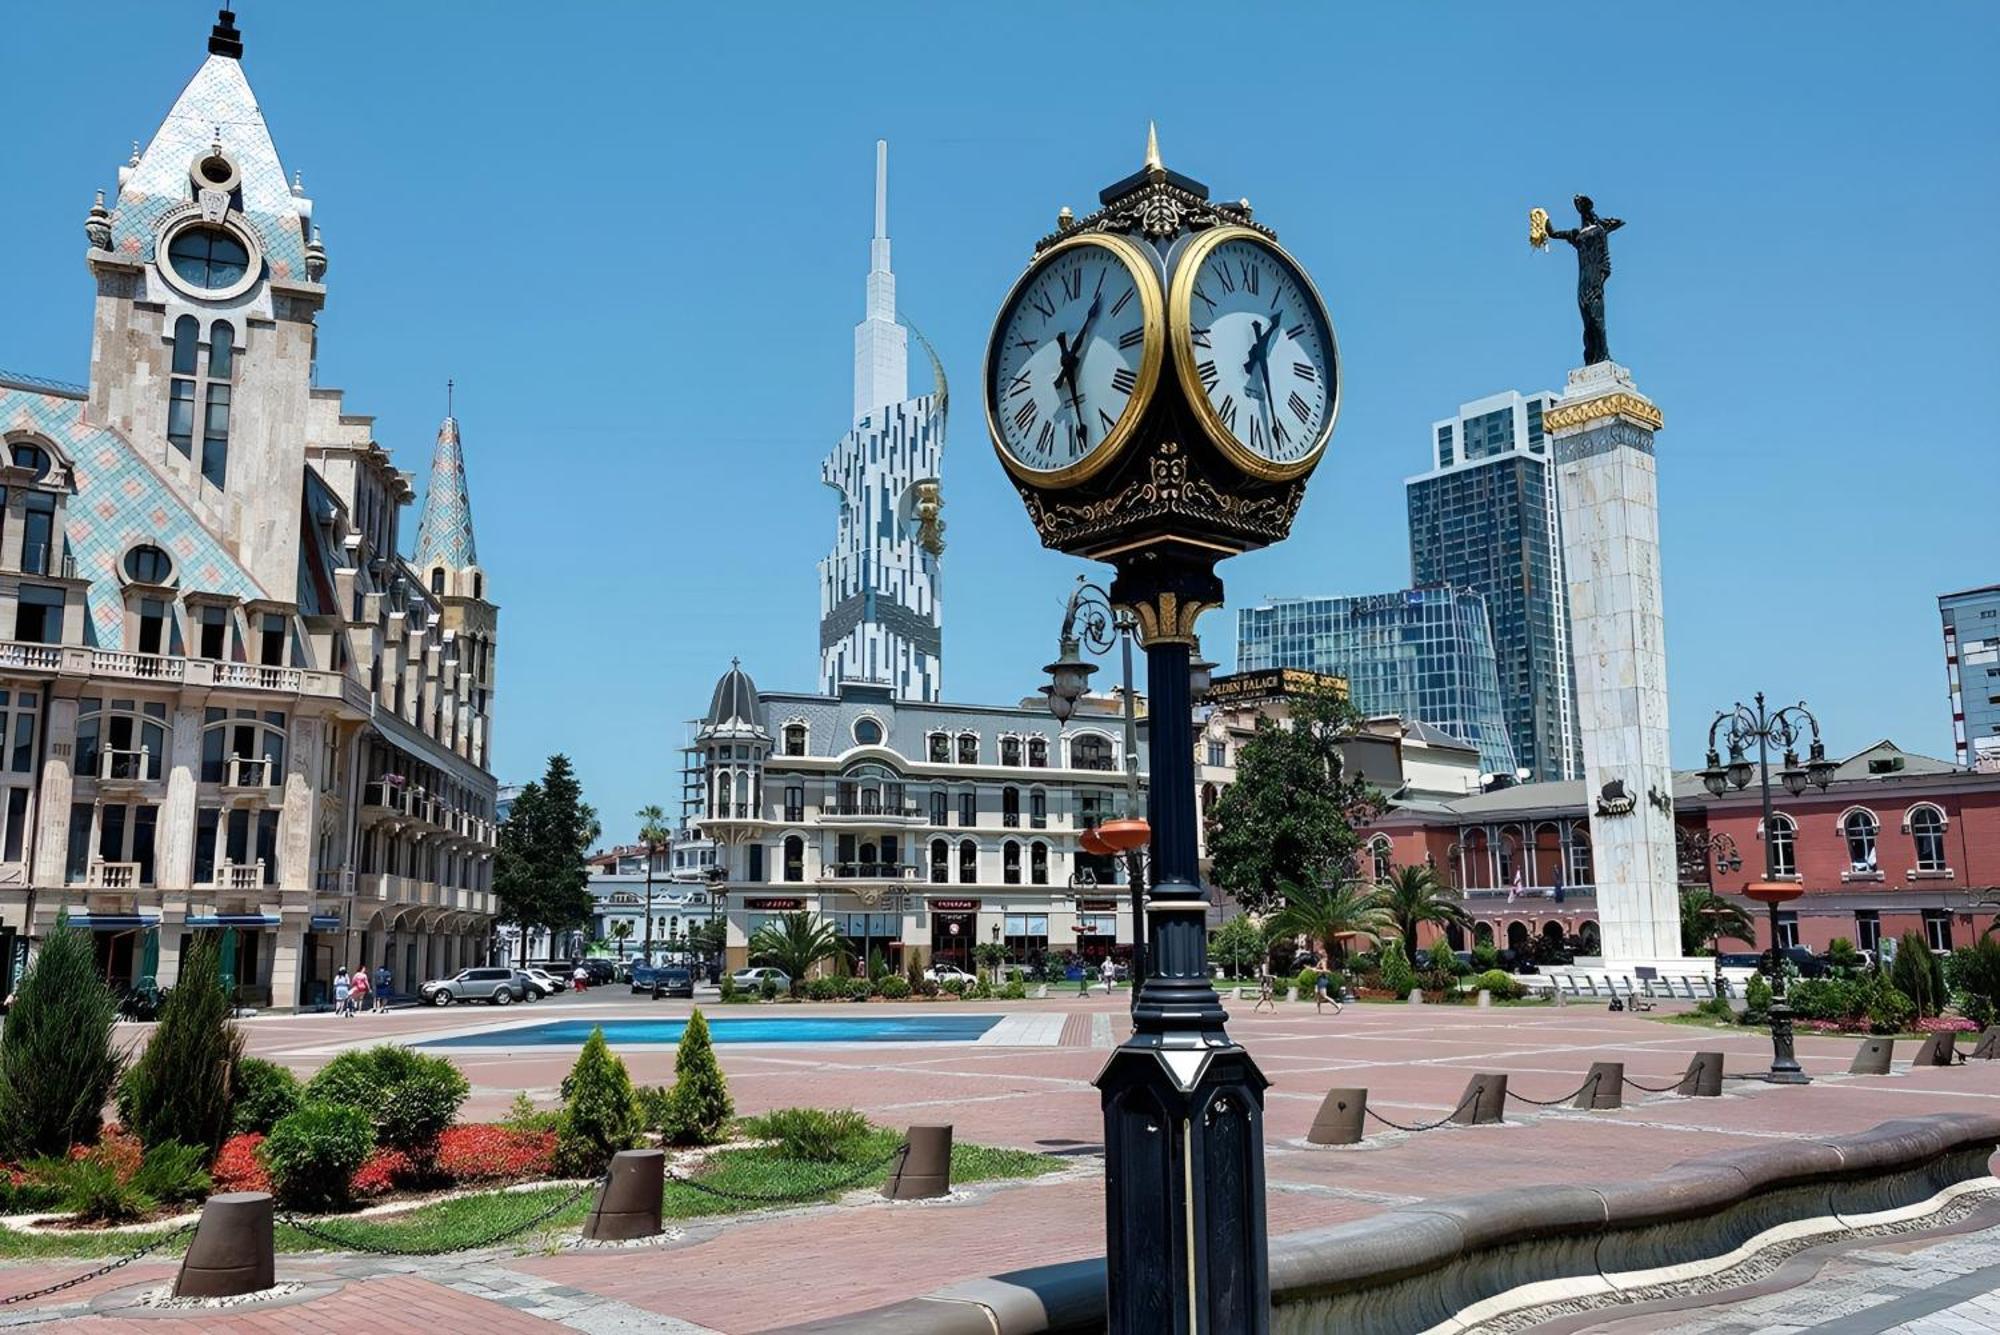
x=1067, y=372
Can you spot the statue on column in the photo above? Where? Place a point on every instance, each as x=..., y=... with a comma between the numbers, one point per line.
x=1591, y=238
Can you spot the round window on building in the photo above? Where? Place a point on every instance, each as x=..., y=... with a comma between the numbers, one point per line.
x=24, y=455
x=208, y=257
x=868, y=732
x=147, y=564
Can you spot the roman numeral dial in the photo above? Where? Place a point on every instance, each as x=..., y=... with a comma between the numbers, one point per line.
x=1074, y=358
x=1254, y=352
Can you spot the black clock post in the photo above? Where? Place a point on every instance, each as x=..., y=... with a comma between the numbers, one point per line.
x=1183, y=1102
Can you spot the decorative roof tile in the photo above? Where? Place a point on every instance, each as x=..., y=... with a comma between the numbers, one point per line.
x=444, y=534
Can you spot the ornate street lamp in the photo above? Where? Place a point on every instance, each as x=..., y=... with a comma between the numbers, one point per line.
x=1768, y=729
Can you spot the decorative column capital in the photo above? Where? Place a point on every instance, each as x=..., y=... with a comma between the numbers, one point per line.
x=1166, y=593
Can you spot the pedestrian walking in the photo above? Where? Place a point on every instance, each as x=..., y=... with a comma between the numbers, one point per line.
x=357, y=990
x=1110, y=975
x=1323, y=993
x=381, y=989
x=340, y=991
x=1266, y=993
x=579, y=978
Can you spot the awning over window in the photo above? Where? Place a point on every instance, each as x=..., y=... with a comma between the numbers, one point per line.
x=112, y=922
x=232, y=920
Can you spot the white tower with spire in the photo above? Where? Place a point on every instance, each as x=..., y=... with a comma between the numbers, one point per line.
x=880, y=619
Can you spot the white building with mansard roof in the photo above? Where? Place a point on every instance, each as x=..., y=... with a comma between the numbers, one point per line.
x=228, y=700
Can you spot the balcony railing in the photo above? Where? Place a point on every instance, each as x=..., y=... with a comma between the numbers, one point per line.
x=114, y=876
x=1011, y=819
x=869, y=871
x=389, y=796
x=39, y=558
x=729, y=811
x=239, y=876
x=794, y=815
x=248, y=772
x=874, y=811
x=334, y=881
x=123, y=766
x=1488, y=895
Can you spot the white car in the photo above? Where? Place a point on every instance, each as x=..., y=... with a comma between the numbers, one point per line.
x=545, y=984
x=944, y=973
x=751, y=980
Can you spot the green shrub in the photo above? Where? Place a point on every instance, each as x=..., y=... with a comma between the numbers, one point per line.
x=878, y=968
x=978, y=990
x=1014, y=991
x=173, y=1172
x=1485, y=958
x=913, y=971
x=654, y=1104
x=265, y=1092
x=825, y=989
x=1397, y=975
x=729, y=988
x=860, y=989
x=92, y=1189
x=179, y=1090
x=1888, y=1010
x=1500, y=983
x=896, y=989
x=1757, y=1000
x=409, y=1097
x=956, y=986
x=601, y=1114
x=1841, y=954
x=1826, y=999
x=26, y=1193
x=699, y=1106
x=313, y=1151
x=57, y=1065
x=1304, y=984
x=1444, y=960
x=1973, y=975
x=768, y=988
x=523, y=1115
x=1716, y=1008
x=1918, y=975
x=813, y=1135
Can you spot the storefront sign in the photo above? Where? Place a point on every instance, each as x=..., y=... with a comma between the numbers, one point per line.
x=1244, y=688
x=1097, y=906
x=955, y=905
x=775, y=903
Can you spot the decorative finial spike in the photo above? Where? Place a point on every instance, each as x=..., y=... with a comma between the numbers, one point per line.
x=1065, y=219
x=1153, y=162
x=223, y=38
x=135, y=154
x=448, y=386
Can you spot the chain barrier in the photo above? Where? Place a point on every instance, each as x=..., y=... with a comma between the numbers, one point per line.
x=102, y=1270
x=1588, y=1081
x=1471, y=1097
x=793, y=1197
x=313, y=1230
x=1656, y=1089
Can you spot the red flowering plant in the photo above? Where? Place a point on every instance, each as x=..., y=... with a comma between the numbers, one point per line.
x=485, y=1152
x=117, y=1148
x=237, y=1165
x=1939, y=1024
x=382, y=1172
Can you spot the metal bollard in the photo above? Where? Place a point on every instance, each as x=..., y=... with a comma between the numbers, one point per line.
x=1938, y=1050
x=925, y=1171
x=1603, y=1088
x=1338, y=1121
x=232, y=1252
x=1704, y=1077
x=1988, y=1047
x=1874, y=1057
x=1485, y=999
x=1484, y=1100
x=628, y=1200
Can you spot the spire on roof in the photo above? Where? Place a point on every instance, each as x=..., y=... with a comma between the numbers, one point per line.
x=223, y=39
x=1152, y=147
x=444, y=533
x=881, y=351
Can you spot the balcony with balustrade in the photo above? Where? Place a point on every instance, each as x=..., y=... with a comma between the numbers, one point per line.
x=249, y=780
x=122, y=771
x=898, y=872
x=241, y=878
x=113, y=875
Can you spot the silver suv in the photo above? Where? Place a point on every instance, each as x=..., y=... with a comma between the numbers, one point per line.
x=501, y=987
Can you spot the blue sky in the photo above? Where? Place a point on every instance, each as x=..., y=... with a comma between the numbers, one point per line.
x=636, y=234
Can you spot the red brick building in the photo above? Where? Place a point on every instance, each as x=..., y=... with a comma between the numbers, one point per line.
x=1898, y=843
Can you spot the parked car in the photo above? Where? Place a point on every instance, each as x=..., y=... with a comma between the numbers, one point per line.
x=541, y=983
x=642, y=978
x=752, y=979
x=601, y=971
x=672, y=980
x=1808, y=964
x=944, y=973
x=501, y=987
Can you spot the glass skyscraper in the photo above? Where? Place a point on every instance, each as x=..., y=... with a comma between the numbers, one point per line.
x=1486, y=518
x=1424, y=654
x=1972, y=669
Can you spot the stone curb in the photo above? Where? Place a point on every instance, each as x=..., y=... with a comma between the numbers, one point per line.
x=1422, y=1266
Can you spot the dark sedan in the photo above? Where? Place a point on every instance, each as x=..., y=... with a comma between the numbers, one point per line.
x=672, y=980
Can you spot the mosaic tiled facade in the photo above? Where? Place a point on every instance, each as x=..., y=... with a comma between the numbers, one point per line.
x=228, y=703
x=880, y=619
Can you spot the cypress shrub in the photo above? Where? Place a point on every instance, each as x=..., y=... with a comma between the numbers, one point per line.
x=57, y=1065
x=180, y=1089
x=699, y=1106
x=601, y=1113
x=1918, y=975
x=1397, y=975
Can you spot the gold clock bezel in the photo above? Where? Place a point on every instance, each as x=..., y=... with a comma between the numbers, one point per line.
x=1152, y=357
x=1180, y=321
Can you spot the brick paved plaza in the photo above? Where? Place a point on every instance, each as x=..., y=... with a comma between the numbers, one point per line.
x=751, y=1273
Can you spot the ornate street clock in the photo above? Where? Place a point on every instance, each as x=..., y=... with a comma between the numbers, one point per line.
x=1160, y=384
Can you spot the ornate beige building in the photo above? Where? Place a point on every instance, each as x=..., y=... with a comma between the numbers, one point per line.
x=228, y=701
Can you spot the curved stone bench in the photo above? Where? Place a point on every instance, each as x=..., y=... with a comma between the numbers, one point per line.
x=1448, y=1265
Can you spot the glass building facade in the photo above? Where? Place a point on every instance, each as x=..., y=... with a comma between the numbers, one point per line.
x=1972, y=671
x=1486, y=518
x=1424, y=654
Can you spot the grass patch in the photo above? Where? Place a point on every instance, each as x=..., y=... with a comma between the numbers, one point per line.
x=469, y=1220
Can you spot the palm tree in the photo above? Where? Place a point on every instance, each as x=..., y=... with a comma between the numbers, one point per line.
x=1707, y=919
x=1413, y=896
x=654, y=834
x=795, y=942
x=1323, y=914
x=621, y=932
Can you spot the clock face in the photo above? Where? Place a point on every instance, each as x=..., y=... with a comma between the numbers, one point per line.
x=1256, y=352
x=1073, y=359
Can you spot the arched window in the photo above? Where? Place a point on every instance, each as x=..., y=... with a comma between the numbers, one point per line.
x=939, y=749
x=437, y=581
x=724, y=787
x=1927, y=833
x=1010, y=806
x=940, y=862
x=1038, y=809
x=120, y=739
x=968, y=862
x=1038, y=753
x=968, y=749
x=1580, y=872
x=795, y=739
x=795, y=859
x=1010, y=750
x=1783, y=835
x=1475, y=857
x=243, y=747
x=1010, y=862
x=22, y=454
x=181, y=393
x=1380, y=864
x=215, y=413
x=1090, y=750
x=1038, y=864
x=1860, y=827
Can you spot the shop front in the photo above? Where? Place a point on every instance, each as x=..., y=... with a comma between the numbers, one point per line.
x=1097, y=930
x=954, y=931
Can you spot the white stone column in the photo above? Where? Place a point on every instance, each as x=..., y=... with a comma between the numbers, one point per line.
x=52, y=795
x=175, y=854
x=299, y=816
x=1602, y=433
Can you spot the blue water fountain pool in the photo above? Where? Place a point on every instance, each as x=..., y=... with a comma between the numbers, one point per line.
x=728, y=1029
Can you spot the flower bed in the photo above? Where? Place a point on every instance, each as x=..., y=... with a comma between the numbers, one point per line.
x=238, y=1166
x=487, y=1152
